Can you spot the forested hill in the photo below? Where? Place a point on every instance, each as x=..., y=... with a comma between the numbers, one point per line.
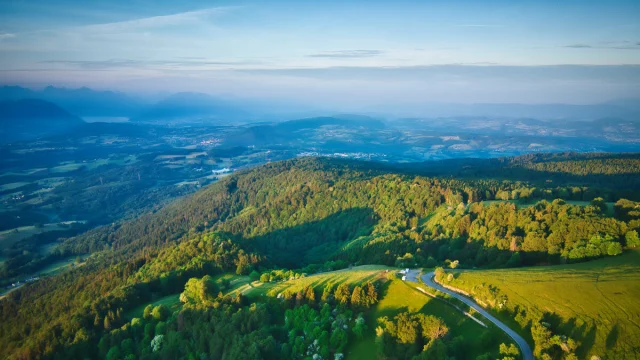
x=30, y=118
x=309, y=214
x=606, y=171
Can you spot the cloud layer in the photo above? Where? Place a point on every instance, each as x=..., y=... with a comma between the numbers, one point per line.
x=348, y=54
x=330, y=50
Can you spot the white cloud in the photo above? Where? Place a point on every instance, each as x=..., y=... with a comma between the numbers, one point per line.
x=480, y=25
x=4, y=36
x=183, y=18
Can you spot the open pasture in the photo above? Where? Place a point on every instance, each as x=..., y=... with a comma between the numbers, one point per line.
x=595, y=303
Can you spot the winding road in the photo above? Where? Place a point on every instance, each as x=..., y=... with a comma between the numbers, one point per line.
x=527, y=354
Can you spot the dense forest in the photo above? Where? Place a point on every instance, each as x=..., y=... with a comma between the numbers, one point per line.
x=311, y=215
x=615, y=175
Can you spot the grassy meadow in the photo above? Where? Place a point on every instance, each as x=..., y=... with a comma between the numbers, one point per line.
x=596, y=303
x=396, y=297
x=399, y=296
x=10, y=237
x=172, y=302
x=356, y=275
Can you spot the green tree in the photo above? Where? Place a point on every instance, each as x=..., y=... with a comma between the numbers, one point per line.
x=431, y=262
x=632, y=239
x=360, y=327
x=515, y=260
x=148, y=330
x=199, y=292
x=372, y=294
x=127, y=347
x=103, y=346
x=431, y=327
x=310, y=295
x=407, y=328
x=147, y=312
x=614, y=249
x=160, y=313
x=512, y=349
x=338, y=340
x=107, y=323
x=114, y=353
x=342, y=294
x=161, y=328
x=358, y=298
x=434, y=350
x=327, y=293
x=600, y=204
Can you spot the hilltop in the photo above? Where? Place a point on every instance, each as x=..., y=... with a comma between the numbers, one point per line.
x=30, y=118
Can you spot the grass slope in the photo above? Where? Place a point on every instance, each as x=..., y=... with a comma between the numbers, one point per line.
x=396, y=296
x=172, y=302
x=595, y=302
x=399, y=296
x=354, y=276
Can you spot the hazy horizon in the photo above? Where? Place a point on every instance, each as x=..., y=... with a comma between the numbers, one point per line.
x=333, y=54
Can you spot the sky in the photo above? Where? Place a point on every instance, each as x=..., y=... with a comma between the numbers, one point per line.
x=335, y=52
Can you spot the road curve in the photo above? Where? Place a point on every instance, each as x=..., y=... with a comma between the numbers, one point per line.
x=527, y=354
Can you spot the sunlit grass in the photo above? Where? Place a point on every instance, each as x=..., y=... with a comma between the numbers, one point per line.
x=596, y=302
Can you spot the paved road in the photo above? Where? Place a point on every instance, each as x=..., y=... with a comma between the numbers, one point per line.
x=428, y=280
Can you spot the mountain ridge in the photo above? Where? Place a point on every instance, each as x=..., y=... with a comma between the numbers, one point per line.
x=29, y=118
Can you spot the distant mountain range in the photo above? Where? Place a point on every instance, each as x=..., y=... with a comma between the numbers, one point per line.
x=30, y=118
x=83, y=102
x=628, y=109
x=192, y=107
x=287, y=130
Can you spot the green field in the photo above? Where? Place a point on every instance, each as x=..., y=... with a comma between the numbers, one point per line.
x=49, y=270
x=22, y=173
x=183, y=183
x=12, y=186
x=10, y=237
x=170, y=301
x=59, y=266
x=66, y=168
x=356, y=275
x=399, y=296
x=93, y=164
x=596, y=303
x=396, y=296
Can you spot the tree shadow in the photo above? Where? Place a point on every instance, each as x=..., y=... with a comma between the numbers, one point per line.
x=314, y=242
x=588, y=340
x=620, y=185
x=612, y=338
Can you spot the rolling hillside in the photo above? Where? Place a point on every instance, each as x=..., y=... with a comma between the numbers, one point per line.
x=594, y=303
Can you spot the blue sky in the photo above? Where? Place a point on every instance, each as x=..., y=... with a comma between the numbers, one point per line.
x=362, y=52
